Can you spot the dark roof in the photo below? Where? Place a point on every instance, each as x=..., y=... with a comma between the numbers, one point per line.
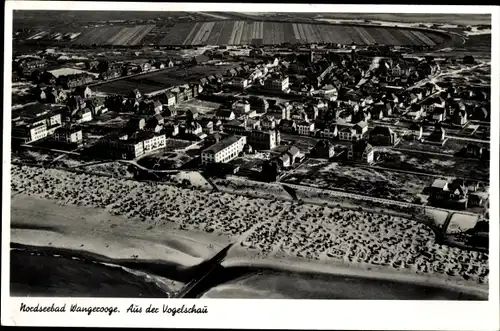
x=293, y=150
x=222, y=144
x=224, y=112
x=381, y=130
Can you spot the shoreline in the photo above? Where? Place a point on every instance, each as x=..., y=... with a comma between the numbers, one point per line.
x=367, y=271
x=182, y=227
x=150, y=270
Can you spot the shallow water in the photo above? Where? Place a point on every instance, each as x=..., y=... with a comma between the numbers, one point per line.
x=45, y=275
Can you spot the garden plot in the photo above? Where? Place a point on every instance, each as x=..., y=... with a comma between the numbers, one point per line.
x=437, y=216
x=434, y=164
x=461, y=222
x=365, y=181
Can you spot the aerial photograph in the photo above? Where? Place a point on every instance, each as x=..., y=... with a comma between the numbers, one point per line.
x=266, y=155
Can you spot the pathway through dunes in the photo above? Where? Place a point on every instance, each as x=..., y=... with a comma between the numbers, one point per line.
x=244, y=32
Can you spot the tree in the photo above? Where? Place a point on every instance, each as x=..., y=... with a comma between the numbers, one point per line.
x=103, y=66
x=468, y=59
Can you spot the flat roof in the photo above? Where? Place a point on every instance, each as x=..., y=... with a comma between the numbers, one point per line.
x=439, y=183
x=217, y=147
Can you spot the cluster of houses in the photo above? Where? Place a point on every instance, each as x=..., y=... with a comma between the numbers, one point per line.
x=45, y=123
x=456, y=193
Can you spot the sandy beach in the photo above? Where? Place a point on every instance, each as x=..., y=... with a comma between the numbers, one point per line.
x=129, y=220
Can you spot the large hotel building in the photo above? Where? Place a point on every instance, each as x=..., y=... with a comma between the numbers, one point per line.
x=224, y=151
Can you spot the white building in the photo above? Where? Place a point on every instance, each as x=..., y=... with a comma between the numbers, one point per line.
x=277, y=83
x=70, y=135
x=155, y=142
x=37, y=128
x=224, y=151
x=241, y=107
x=305, y=128
x=240, y=83
x=86, y=116
x=347, y=133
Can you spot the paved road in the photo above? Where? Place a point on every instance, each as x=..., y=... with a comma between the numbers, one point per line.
x=469, y=139
x=51, y=149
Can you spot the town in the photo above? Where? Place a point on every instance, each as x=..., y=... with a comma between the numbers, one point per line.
x=362, y=128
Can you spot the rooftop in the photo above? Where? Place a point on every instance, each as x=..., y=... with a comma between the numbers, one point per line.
x=222, y=144
x=439, y=183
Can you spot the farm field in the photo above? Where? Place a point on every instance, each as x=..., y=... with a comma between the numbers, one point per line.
x=242, y=32
x=114, y=35
x=350, y=178
x=162, y=79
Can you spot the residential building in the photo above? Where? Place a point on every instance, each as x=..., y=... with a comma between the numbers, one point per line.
x=150, y=107
x=288, y=126
x=431, y=103
x=382, y=136
x=207, y=125
x=224, y=150
x=323, y=149
x=277, y=83
x=167, y=98
x=348, y=133
x=305, y=128
x=72, y=81
x=474, y=151
x=110, y=74
x=133, y=145
x=329, y=132
x=460, y=117
x=37, y=127
x=267, y=122
x=444, y=192
x=96, y=106
x=69, y=134
x=225, y=115
x=415, y=113
x=241, y=107
x=362, y=151
x=439, y=114
x=258, y=139
x=79, y=116
x=240, y=82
